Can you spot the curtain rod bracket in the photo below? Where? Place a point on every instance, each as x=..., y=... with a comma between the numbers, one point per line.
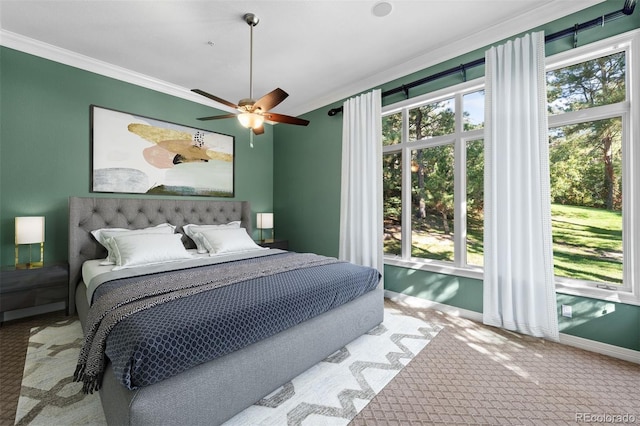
x=575, y=36
x=405, y=90
x=463, y=70
x=629, y=5
x=334, y=111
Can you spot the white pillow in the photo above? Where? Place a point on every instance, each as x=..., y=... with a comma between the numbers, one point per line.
x=227, y=240
x=104, y=234
x=192, y=230
x=132, y=250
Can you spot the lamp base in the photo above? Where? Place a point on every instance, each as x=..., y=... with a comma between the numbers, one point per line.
x=29, y=265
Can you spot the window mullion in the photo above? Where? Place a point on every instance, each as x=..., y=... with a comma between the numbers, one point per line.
x=406, y=187
x=591, y=114
x=459, y=190
x=629, y=205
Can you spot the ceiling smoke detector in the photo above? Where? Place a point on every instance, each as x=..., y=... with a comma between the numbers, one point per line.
x=382, y=9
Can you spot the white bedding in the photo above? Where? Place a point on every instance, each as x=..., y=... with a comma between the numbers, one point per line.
x=94, y=274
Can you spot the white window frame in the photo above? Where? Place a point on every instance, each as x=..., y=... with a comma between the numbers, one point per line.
x=459, y=140
x=629, y=292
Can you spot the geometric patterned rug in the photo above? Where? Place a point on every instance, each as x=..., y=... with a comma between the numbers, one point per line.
x=330, y=393
x=48, y=395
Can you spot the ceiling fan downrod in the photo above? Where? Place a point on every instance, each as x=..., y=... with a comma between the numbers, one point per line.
x=252, y=20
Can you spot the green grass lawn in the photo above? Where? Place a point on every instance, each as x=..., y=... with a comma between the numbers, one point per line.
x=587, y=243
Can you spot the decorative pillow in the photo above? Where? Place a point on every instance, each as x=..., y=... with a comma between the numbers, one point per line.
x=227, y=240
x=102, y=235
x=192, y=230
x=131, y=250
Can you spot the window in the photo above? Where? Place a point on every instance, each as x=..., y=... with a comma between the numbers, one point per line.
x=585, y=162
x=392, y=196
x=426, y=141
x=591, y=161
x=475, y=201
x=434, y=174
x=432, y=202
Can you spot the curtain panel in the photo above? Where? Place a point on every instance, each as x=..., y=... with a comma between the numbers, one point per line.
x=519, y=290
x=361, y=185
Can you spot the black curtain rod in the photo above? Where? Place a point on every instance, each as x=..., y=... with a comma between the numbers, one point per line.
x=629, y=6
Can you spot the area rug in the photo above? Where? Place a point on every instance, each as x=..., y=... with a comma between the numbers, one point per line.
x=48, y=395
x=330, y=393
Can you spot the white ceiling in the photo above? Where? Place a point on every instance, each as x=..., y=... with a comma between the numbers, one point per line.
x=318, y=51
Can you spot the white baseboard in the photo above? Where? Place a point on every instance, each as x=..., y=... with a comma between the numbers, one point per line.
x=418, y=302
x=565, y=339
x=601, y=348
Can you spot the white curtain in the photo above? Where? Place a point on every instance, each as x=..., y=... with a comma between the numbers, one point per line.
x=361, y=195
x=519, y=292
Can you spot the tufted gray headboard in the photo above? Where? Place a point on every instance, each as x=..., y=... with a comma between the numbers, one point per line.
x=87, y=214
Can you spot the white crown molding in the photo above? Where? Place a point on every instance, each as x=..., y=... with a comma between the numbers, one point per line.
x=535, y=18
x=565, y=339
x=73, y=59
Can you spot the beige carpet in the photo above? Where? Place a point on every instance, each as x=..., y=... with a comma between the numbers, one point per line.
x=474, y=374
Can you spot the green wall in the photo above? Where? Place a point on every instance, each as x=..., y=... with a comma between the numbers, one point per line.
x=461, y=292
x=307, y=194
x=45, y=142
x=600, y=320
x=307, y=163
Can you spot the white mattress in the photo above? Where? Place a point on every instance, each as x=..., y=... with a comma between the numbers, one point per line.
x=93, y=273
x=93, y=268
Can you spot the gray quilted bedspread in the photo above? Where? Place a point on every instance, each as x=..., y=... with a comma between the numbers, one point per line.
x=161, y=342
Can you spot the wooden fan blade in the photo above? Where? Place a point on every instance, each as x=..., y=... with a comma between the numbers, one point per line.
x=281, y=118
x=216, y=117
x=214, y=98
x=271, y=99
x=258, y=130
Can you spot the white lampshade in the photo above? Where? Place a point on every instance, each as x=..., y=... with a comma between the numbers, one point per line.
x=264, y=220
x=250, y=120
x=29, y=229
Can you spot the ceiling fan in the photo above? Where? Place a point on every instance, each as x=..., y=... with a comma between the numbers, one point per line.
x=254, y=113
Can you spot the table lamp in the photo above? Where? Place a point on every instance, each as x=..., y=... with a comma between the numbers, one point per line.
x=30, y=230
x=264, y=221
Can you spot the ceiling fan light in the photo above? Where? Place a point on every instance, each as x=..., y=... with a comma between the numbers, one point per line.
x=250, y=120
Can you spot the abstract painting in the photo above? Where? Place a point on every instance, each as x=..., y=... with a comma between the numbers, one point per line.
x=141, y=155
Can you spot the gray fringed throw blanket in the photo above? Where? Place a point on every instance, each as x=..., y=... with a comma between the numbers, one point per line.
x=154, y=290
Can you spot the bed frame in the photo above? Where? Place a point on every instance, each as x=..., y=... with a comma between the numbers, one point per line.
x=213, y=392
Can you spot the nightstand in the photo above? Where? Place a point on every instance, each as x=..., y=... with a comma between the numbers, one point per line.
x=277, y=244
x=26, y=292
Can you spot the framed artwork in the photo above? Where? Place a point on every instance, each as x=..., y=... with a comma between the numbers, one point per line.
x=141, y=155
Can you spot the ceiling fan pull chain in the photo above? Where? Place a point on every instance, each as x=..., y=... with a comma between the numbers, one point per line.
x=251, y=138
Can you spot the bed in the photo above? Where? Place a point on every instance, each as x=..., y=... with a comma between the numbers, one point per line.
x=213, y=391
